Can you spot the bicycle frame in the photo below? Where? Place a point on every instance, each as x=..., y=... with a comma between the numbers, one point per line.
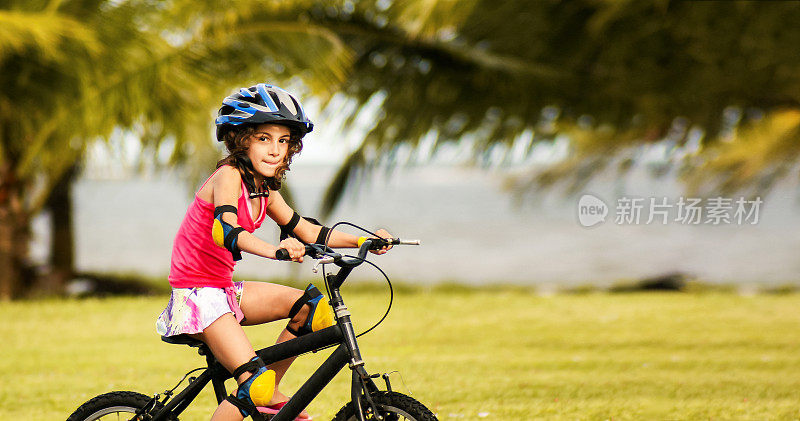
x=346, y=353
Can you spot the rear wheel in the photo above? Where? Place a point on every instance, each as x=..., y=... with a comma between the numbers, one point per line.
x=111, y=406
x=392, y=406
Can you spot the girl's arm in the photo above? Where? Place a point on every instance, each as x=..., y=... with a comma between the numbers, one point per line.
x=281, y=213
x=226, y=191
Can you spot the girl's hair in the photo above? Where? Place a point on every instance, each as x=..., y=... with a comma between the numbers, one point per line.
x=237, y=141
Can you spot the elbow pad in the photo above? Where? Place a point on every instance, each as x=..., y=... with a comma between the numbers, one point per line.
x=288, y=229
x=225, y=234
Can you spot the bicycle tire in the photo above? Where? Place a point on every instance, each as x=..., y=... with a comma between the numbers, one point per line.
x=119, y=402
x=393, y=406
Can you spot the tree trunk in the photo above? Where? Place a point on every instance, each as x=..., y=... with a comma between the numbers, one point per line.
x=13, y=236
x=9, y=276
x=62, y=244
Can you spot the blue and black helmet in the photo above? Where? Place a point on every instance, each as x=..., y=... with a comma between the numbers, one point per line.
x=259, y=104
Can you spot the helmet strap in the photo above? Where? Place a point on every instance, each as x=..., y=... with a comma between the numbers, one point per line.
x=249, y=178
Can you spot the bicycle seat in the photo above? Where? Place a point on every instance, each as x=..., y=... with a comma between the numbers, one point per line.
x=183, y=339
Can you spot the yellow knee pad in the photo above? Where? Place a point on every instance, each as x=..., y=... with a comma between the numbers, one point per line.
x=323, y=315
x=257, y=390
x=262, y=388
x=320, y=314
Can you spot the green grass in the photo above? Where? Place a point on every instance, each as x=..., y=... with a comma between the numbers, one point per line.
x=504, y=355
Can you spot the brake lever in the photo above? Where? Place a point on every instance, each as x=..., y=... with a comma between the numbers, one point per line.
x=322, y=262
x=330, y=257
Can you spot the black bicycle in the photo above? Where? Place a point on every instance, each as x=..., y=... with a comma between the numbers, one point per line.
x=368, y=402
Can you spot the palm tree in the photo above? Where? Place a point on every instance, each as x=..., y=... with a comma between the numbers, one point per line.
x=149, y=67
x=610, y=76
x=73, y=71
x=37, y=49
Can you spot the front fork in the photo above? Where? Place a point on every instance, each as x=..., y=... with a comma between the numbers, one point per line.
x=362, y=384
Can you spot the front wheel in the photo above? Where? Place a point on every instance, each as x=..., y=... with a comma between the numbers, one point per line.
x=111, y=406
x=392, y=406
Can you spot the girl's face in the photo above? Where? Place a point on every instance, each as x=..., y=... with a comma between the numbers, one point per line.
x=268, y=148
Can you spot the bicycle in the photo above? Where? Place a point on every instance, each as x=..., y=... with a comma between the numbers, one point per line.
x=368, y=402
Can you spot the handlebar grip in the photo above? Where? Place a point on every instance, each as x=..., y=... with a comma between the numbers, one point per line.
x=282, y=254
x=378, y=243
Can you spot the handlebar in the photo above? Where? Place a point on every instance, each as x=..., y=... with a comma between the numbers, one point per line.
x=283, y=254
x=327, y=255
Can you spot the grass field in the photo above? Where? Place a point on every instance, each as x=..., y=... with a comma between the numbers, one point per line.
x=467, y=354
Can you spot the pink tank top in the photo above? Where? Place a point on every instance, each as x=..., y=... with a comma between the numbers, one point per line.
x=196, y=260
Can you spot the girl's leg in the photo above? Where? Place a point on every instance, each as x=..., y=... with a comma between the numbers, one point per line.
x=231, y=348
x=264, y=302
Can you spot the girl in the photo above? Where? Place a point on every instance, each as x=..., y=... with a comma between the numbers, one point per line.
x=262, y=128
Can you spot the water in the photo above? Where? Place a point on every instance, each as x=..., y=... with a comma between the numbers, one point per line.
x=470, y=229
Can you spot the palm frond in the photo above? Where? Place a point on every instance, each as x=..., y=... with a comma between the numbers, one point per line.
x=45, y=34
x=341, y=180
x=753, y=158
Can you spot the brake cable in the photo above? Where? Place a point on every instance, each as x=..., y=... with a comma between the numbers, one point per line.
x=389, y=282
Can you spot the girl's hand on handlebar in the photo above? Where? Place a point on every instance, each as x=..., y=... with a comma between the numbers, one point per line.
x=295, y=248
x=382, y=233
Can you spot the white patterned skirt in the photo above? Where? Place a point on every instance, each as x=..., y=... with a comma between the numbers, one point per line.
x=191, y=310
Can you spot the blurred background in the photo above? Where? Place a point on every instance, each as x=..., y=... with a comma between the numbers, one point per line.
x=472, y=125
